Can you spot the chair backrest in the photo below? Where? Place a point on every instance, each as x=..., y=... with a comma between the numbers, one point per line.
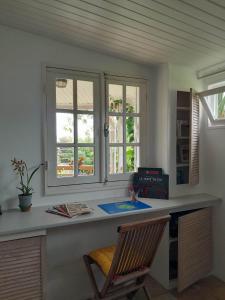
x=137, y=246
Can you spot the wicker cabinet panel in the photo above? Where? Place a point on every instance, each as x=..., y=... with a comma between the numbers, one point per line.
x=22, y=274
x=194, y=247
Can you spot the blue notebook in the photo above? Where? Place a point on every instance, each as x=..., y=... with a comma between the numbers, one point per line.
x=118, y=207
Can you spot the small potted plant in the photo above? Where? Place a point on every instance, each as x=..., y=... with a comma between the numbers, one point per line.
x=21, y=169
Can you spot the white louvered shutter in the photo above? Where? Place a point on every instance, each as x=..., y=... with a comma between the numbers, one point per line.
x=194, y=139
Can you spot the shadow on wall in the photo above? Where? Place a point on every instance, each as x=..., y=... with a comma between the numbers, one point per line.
x=7, y=190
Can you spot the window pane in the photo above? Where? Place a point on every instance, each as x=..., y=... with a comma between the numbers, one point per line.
x=85, y=128
x=115, y=129
x=85, y=161
x=85, y=95
x=132, y=129
x=132, y=158
x=64, y=128
x=65, y=162
x=64, y=93
x=115, y=98
x=132, y=99
x=216, y=104
x=116, y=160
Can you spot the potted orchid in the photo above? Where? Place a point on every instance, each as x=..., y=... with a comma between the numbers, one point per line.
x=21, y=169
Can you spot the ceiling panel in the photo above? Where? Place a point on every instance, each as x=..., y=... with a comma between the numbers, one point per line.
x=146, y=31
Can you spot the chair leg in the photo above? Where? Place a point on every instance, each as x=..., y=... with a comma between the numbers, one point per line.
x=87, y=262
x=131, y=295
x=147, y=292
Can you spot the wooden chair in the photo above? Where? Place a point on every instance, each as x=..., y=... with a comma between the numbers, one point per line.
x=126, y=266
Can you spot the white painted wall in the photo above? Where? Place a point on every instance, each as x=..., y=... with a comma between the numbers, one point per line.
x=161, y=108
x=21, y=56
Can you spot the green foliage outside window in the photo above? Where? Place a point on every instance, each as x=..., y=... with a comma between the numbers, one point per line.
x=221, y=105
x=86, y=155
x=115, y=104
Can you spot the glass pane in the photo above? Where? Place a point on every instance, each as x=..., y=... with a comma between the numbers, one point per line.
x=132, y=158
x=85, y=95
x=132, y=99
x=64, y=93
x=115, y=129
x=85, y=128
x=65, y=162
x=64, y=128
x=132, y=129
x=85, y=161
x=116, y=160
x=115, y=98
x=216, y=104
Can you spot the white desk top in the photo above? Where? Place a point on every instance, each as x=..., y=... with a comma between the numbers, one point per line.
x=14, y=221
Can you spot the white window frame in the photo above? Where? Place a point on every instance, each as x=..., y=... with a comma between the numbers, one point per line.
x=103, y=183
x=124, y=81
x=214, y=122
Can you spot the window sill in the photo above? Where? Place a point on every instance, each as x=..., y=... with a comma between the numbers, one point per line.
x=216, y=126
x=82, y=188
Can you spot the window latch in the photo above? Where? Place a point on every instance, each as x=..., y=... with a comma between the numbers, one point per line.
x=46, y=165
x=106, y=130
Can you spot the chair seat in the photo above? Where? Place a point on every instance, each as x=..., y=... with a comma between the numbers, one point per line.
x=103, y=258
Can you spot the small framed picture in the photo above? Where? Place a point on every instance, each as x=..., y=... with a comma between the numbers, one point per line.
x=184, y=153
x=182, y=129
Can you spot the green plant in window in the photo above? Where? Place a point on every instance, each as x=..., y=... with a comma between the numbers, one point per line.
x=130, y=159
x=130, y=138
x=130, y=124
x=221, y=105
x=114, y=106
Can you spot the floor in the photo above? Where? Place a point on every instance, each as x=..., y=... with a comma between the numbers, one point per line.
x=209, y=288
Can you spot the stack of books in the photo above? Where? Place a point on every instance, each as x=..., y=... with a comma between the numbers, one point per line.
x=151, y=183
x=70, y=210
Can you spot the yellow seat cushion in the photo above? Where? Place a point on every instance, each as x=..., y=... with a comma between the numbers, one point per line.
x=103, y=258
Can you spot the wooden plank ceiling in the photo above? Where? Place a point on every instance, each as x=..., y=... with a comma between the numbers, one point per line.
x=190, y=32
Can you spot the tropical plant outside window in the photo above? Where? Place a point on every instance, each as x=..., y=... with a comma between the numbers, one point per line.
x=124, y=129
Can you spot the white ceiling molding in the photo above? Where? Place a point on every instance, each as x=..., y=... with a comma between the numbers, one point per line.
x=187, y=32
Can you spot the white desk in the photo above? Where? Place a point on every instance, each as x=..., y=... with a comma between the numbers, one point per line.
x=69, y=239
x=14, y=221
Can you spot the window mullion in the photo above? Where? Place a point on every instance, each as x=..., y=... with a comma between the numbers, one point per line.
x=124, y=128
x=106, y=127
x=65, y=144
x=75, y=127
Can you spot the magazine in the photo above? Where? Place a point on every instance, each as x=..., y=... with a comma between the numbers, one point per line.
x=70, y=210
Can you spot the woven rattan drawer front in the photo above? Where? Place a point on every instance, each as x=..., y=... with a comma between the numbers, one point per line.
x=194, y=247
x=22, y=269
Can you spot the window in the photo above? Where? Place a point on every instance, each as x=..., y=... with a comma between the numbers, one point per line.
x=92, y=138
x=214, y=103
x=123, y=115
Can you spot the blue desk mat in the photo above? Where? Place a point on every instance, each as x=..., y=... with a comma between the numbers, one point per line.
x=118, y=207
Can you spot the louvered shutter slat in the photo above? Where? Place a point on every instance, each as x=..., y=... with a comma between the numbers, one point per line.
x=22, y=269
x=194, y=139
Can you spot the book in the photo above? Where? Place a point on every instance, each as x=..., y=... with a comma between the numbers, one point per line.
x=70, y=210
x=151, y=185
x=150, y=171
x=123, y=206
